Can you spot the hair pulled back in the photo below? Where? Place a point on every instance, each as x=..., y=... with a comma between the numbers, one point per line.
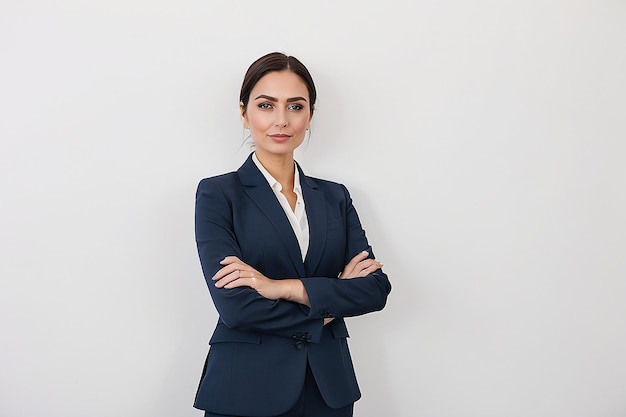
x=275, y=61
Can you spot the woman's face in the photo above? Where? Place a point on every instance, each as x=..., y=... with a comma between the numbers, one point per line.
x=278, y=113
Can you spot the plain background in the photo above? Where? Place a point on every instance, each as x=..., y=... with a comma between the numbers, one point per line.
x=483, y=143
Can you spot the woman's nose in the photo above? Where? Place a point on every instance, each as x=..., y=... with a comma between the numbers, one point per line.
x=281, y=119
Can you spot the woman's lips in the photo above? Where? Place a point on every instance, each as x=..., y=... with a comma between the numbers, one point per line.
x=279, y=137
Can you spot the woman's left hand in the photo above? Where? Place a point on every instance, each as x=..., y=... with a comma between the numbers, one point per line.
x=236, y=273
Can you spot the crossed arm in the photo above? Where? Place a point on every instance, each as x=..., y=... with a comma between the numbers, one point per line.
x=236, y=273
x=248, y=300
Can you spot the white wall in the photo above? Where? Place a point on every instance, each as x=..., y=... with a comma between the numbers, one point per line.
x=483, y=143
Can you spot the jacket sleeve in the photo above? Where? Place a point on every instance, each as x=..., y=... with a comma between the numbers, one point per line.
x=241, y=308
x=332, y=297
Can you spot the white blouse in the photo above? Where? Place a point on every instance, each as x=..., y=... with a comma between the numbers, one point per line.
x=297, y=218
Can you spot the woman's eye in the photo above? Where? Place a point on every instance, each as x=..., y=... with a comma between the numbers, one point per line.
x=265, y=105
x=295, y=107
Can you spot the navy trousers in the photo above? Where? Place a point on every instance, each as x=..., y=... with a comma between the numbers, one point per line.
x=310, y=403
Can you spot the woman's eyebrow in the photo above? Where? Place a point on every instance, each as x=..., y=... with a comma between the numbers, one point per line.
x=289, y=100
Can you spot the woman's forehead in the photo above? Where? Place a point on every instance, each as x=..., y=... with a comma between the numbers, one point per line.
x=280, y=84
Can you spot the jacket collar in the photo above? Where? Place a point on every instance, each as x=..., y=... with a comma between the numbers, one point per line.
x=257, y=188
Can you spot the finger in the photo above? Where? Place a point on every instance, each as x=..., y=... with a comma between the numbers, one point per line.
x=350, y=265
x=349, y=268
x=229, y=260
x=222, y=272
x=236, y=266
x=367, y=267
x=356, y=271
x=227, y=279
x=365, y=264
x=241, y=282
x=244, y=278
x=370, y=269
x=359, y=257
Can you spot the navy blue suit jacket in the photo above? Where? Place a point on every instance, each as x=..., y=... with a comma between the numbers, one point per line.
x=259, y=350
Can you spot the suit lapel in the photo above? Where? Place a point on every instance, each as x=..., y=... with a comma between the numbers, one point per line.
x=315, y=204
x=259, y=191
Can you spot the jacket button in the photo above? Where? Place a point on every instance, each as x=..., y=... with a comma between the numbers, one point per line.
x=299, y=345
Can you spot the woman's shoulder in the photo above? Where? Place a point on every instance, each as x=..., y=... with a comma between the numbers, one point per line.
x=220, y=184
x=219, y=179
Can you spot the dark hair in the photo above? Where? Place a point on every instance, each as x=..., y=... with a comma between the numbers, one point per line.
x=276, y=61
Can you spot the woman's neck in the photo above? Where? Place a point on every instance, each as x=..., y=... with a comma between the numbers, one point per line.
x=281, y=167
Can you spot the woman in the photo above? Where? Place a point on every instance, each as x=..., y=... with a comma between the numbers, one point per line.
x=285, y=259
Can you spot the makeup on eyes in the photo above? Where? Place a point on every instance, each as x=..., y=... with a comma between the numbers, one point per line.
x=268, y=105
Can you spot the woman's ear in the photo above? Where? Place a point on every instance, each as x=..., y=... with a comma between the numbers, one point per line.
x=242, y=113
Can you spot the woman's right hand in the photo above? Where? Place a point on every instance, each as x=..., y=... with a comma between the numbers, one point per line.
x=360, y=266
